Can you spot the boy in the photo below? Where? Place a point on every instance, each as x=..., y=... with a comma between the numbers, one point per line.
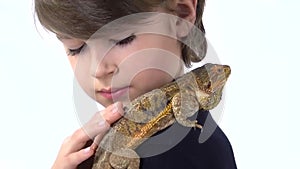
x=123, y=62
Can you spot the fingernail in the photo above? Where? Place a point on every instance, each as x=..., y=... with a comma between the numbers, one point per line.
x=87, y=150
x=94, y=147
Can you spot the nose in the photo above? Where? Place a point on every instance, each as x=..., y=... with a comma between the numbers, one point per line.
x=104, y=68
x=227, y=70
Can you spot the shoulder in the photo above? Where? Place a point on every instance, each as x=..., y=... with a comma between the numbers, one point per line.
x=213, y=150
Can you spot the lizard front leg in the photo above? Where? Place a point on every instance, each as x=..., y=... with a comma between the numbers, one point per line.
x=185, y=105
x=102, y=158
x=124, y=159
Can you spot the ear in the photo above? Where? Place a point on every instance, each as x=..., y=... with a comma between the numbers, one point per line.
x=186, y=11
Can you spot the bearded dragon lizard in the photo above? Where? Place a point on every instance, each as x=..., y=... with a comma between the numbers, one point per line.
x=200, y=88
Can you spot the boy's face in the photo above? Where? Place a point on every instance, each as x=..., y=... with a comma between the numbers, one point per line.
x=124, y=65
x=144, y=62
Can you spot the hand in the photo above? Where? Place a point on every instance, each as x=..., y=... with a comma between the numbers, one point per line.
x=72, y=153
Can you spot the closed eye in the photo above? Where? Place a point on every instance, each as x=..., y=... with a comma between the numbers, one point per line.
x=73, y=52
x=126, y=41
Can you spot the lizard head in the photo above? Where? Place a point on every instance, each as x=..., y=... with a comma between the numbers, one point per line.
x=211, y=77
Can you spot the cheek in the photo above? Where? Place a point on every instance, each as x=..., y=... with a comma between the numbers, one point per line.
x=150, y=59
x=147, y=69
x=154, y=78
x=148, y=80
x=73, y=62
x=81, y=72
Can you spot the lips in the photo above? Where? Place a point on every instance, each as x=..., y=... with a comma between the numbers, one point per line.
x=113, y=93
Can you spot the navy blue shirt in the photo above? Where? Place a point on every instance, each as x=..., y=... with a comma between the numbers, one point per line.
x=178, y=147
x=185, y=151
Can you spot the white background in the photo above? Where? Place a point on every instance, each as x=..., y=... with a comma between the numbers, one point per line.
x=259, y=39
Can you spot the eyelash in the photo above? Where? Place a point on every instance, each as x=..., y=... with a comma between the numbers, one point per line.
x=126, y=41
x=122, y=43
x=73, y=52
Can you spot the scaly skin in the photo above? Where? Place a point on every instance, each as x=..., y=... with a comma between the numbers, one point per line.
x=146, y=115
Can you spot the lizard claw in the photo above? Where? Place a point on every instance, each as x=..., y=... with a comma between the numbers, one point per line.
x=198, y=126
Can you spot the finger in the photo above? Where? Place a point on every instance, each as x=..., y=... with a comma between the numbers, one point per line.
x=74, y=159
x=105, y=117
x=82, y=135
x=97, y=140
x=113, y=113
x=97, y=125
x=94, y=147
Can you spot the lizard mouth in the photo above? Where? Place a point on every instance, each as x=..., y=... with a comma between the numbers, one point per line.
x=227, y=71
